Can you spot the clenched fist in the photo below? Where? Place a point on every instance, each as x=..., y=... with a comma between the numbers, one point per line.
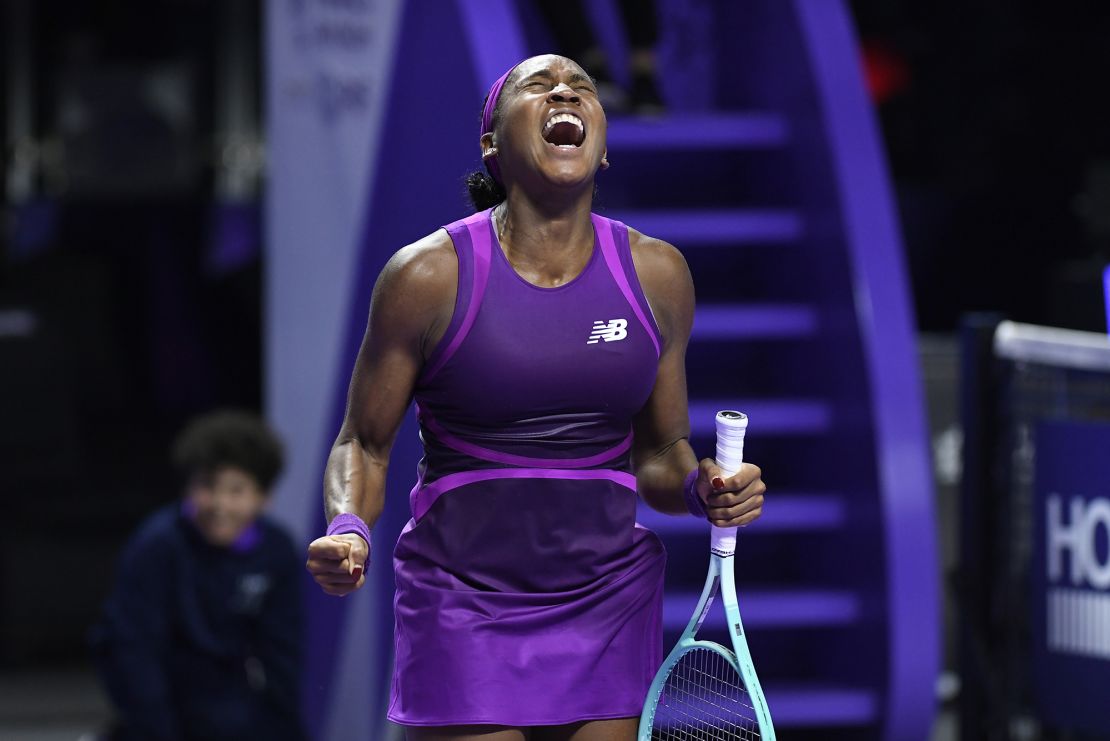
x=336, y=562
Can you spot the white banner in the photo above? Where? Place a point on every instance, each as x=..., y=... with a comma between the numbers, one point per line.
x=328, y=66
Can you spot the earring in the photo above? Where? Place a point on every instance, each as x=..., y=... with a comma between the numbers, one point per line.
x=604, y=163
x=491, y=152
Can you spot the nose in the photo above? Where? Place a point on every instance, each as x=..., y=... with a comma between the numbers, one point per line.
x=563, y=93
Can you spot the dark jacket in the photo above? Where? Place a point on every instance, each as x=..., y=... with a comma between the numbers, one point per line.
x=200, y=642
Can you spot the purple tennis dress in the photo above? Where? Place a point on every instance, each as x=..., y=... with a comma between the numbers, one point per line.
x=526, y=592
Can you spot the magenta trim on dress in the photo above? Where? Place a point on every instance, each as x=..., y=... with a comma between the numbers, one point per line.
x=496, y=456
x=480, y=249
x=604, y=228
x=427, y=496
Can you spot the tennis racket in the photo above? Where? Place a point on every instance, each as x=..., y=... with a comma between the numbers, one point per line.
x=704, y=690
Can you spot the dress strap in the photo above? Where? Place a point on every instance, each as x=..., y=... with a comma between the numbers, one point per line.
x=473, y=241
x=612, y=236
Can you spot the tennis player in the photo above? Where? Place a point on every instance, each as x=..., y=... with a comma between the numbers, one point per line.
x=544, y=347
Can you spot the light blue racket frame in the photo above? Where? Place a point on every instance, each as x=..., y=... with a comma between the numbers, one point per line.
x=731, y=428
x=721, y=578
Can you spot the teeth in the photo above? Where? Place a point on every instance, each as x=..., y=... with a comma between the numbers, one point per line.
x=562, y=118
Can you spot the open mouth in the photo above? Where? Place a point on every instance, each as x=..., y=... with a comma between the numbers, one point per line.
x=564, y=130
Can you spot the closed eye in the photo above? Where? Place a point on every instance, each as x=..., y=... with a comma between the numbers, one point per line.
x=546, y=81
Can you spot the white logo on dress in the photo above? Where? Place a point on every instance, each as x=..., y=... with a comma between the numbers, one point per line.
x=252, y=589
x=616, y=329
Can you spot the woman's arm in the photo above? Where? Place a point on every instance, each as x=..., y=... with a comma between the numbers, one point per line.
x=662, y=456
x=409, y=311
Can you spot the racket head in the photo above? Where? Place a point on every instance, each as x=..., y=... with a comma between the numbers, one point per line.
x=700, y=693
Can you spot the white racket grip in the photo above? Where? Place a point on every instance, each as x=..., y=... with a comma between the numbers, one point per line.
x=731, y=428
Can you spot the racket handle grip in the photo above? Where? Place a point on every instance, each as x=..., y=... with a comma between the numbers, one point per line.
x=731, y=428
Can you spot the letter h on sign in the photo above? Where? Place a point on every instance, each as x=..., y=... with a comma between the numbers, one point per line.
x=1078, y=538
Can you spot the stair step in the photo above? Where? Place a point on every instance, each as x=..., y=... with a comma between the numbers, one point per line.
x=705, y=227
x=687, y=132
x=785, y=512
x=769, y=416
x=779, y=608
x=820, y=706
x=18, y=324
x=751, y=321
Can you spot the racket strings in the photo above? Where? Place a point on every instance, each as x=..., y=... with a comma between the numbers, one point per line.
x=704, y=699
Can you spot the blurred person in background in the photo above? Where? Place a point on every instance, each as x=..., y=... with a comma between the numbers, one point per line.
x=201, y=635
x=575, y=38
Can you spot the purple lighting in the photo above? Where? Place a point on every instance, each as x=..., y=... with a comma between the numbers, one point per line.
x=1106, y=294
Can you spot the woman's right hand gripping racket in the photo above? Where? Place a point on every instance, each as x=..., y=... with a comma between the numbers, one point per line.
x=704, y=690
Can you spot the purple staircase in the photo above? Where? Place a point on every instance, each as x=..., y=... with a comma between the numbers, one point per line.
x=757, y=193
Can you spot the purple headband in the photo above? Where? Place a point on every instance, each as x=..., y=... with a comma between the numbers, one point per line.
x=487, y=120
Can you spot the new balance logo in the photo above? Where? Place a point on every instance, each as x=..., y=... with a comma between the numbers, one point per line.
x=616, y=329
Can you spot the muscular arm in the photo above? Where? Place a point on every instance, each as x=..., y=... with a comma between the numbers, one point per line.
x=661, y=454
x=409, y=311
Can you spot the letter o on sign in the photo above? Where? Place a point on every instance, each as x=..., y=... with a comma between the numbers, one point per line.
x=1097, y=514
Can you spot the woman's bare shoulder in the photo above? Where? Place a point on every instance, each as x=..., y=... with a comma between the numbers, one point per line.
x=665, y=278
x=415, y=292
x=427, y=264
x=661, y=268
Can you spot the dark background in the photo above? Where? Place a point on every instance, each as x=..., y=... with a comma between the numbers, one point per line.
x=999, y=145
x=130, y=285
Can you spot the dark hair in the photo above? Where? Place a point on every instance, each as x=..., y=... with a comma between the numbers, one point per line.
x=229, y=438
x=484, y=191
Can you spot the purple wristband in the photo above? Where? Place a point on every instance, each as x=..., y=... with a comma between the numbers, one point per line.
x=694, y=502
x=347, y=522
